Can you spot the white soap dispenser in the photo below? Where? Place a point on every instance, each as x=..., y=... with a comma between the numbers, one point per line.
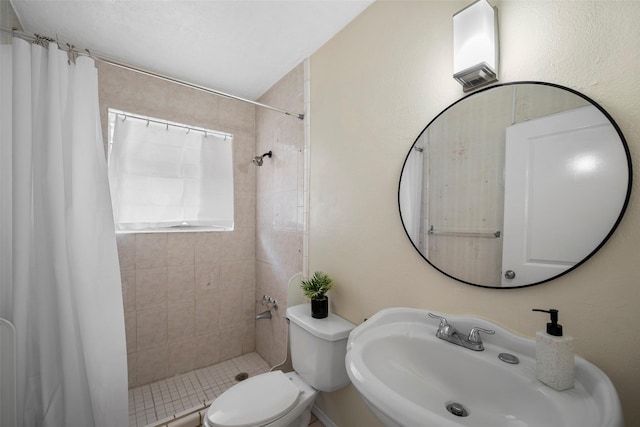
x=554, y=355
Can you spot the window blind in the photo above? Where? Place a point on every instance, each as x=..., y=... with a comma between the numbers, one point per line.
x=165, y=176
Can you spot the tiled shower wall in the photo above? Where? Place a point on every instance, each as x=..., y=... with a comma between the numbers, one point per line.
x=280, y=207
x=189, y=298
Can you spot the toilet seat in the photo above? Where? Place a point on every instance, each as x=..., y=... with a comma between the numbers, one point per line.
x=256, y=401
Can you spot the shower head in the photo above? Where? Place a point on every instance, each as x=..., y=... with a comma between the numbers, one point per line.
x=257, y=160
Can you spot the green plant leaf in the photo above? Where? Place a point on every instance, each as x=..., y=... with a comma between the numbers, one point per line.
x=317, y=286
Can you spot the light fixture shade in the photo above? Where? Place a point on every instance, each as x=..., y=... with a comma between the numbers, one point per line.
x=475, y=45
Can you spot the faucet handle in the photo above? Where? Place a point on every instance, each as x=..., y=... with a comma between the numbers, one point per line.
x=444, y=329
x=443, y=320
x=474, y=334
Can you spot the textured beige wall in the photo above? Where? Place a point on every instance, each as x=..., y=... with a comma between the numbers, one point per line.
x=376, y=84
x=188, y=297
x=279, y=207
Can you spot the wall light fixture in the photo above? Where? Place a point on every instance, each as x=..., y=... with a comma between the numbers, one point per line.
x=475, y=45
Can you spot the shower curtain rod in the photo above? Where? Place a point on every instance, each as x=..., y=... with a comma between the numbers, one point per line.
x=73, y=51
x=168, y=123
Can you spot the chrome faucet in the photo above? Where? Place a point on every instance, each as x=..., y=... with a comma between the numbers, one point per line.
x=264, y=315
x=448, y=333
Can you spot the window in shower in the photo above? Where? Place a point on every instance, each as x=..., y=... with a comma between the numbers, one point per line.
x=168, y=176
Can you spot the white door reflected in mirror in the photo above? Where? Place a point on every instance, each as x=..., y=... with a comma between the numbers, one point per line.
x=562, y=187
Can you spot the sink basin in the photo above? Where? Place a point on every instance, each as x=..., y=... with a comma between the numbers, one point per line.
x=408, y=377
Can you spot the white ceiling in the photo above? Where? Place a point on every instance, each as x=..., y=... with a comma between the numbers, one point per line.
x=241, y=47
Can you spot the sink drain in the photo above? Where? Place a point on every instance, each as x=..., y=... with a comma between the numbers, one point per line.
x=242, y=376
x=457, y=409
x=509, y=358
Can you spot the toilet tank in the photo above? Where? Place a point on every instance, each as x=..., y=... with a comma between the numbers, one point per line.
x=319, y=347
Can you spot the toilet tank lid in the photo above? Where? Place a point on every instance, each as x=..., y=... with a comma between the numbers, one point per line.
x=332, y=328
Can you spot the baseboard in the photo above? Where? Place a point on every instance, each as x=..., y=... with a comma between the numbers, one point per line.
x=323, y=417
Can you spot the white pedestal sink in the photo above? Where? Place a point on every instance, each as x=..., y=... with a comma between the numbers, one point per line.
x=408, y=377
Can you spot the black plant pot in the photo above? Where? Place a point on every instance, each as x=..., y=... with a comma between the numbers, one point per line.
x=320, y=308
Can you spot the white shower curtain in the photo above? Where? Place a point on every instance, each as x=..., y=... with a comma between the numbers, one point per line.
x=411, y=194
x=60, y=279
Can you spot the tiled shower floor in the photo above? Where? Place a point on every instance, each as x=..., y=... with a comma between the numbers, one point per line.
x=156, y=401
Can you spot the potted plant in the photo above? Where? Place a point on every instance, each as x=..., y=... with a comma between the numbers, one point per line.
x=315, y=289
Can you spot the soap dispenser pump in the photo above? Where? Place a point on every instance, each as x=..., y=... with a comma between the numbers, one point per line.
x=554, y=354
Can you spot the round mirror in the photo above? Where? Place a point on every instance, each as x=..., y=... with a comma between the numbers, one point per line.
x=515, y=185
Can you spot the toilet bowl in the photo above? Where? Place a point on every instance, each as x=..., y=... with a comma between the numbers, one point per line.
x=277, y=399
x=274, y=399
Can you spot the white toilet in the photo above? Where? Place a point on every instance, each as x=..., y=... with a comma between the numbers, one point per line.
x=277, y=399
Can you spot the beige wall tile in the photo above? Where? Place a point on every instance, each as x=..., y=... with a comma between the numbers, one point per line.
x=239, y=115
x=244, y=171
x=182, y=355
x=207, y=280
x=289, y=212
x=230, y=305
x=151, y=250
x=151, y=327
x=245, y=208
x=207, y=247
x=195, y=106
x=231, y=338
x=181, y=248
x=290, y=169
x=209, y=348
x=131, y=330
x=207, y=315
x=240, y=274
x=239, y=245
x=249, y=336
x=181, y=283
x=131, y=369
x=181, y=320
x=265, y=345
x=128, y=282
x=151, y=287
x=289, y=246
x=248, y=306
x=152, y=364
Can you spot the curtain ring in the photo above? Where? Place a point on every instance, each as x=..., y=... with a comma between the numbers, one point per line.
x=72, y=55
